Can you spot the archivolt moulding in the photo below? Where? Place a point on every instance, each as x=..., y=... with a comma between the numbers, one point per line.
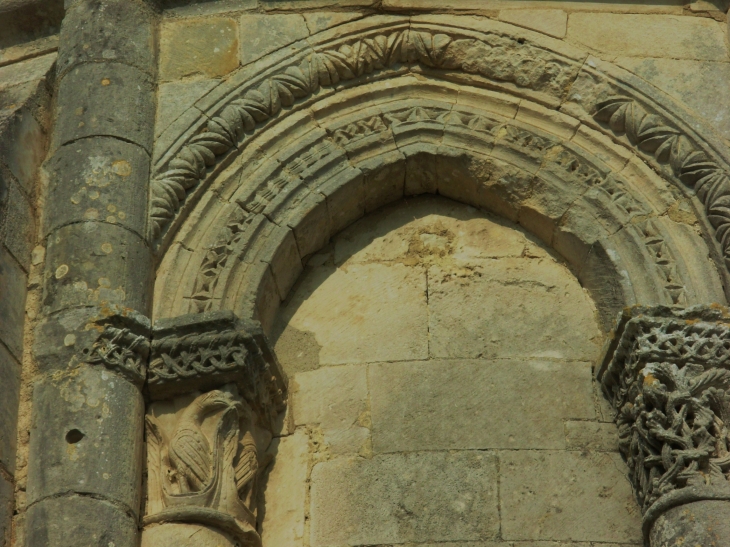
x=304, y=142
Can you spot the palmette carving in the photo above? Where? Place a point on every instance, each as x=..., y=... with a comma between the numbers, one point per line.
x=669, y=382
x=203, y=466
x=668, y=145
x=530, y=68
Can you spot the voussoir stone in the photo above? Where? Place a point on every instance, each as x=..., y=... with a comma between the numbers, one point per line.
x=80, y=418
x=6, y=509
x=10, y=374
x=405, y=498
x=12, y=303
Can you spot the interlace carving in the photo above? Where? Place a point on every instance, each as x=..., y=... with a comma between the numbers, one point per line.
x=654, y=136
x=669, y=382
x=120, y=350
x=530, y=67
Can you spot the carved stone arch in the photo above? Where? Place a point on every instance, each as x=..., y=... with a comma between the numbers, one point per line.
x=272, y=153
x=317, y=170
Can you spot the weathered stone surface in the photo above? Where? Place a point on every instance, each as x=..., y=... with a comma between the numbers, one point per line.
x=558, y=323
x=698, y=85
x=553, y=22
x=698, y=523
x=90, y=263
x=26, y=71
x=86, y=437
x=335, y=399
x=101, y=179
x=174, y=98
x=641, y=6
x=402, y=498
x=12, y=303
x=70, y=521
x=583, y=435
x=649, y=36
x=262, y=34
x=108, y=30
x=23, y=147
x=472, y=405
x=570, y=496
x=285, y=491
x=198, y=47
x=322, y=20
x=10, y=374
x=7, y=504
x=19, y=226
x=110, y=99
x=362, y=313
x=180, y=534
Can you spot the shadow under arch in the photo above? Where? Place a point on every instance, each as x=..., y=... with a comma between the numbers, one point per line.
x=629, y=236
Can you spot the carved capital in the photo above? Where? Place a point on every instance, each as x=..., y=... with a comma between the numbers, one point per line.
x=217, y=389
x=667, y=375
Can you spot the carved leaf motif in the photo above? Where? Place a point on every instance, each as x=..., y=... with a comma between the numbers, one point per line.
x=327, y=68
x=668, y=145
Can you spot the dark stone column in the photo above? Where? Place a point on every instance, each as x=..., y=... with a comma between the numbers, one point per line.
x=91, y=345
x=667, y=375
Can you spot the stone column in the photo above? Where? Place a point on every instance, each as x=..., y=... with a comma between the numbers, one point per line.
x=667, y=375
x=217, y=390
x=91, y=345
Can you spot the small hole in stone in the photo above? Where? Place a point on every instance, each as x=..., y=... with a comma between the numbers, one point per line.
x=85, y=351
x=74, y=436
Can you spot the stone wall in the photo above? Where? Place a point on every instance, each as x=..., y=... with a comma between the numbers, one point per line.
x=440, y=363
x=25, y=92
x=440, y=358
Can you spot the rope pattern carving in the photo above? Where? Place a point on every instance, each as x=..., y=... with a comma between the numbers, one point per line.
x=121, y=350
x=669, y=146
x=529, y=67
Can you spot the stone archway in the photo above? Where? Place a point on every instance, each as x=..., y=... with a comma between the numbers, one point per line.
x=288, y=152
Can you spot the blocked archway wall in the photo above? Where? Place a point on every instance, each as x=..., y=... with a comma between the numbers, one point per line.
x=291, y=150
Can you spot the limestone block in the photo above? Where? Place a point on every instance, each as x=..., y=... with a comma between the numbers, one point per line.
x=262, y=34
x=26, y=71
x=100, y=179
x=174, y=98
x=570, y=496
x=362, y=313
x=108, y=30
x=285, y=491
x=481, y=321
x=311, y=225
x=176, y=8
x=12, y=303
x=640, y=6
x=86, y=437
x=403, y=498
x=335, y=399
x=421, y=174
x=553, y=22
x=473, y=404
x=110, y=99
x=701, y=86
x=286, y=265
x=181, y=534
x=70, y=521
x=198, y=47
x=345, y=199
x=700, y=523
x=384, y=182
x=271, y=5
x=7, y=505
x=323, y=20
x=93, y=263
x=431, y=230
x=649, y=36
x=19, y=226
x=10, y=375
x=581, y=435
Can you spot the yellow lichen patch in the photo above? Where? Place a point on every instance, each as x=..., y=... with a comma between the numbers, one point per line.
x=649, y=379
x=122, y=168
x=61, y=271
x=105, y=81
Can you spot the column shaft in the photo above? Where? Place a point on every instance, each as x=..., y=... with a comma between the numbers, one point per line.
x=90, y=348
